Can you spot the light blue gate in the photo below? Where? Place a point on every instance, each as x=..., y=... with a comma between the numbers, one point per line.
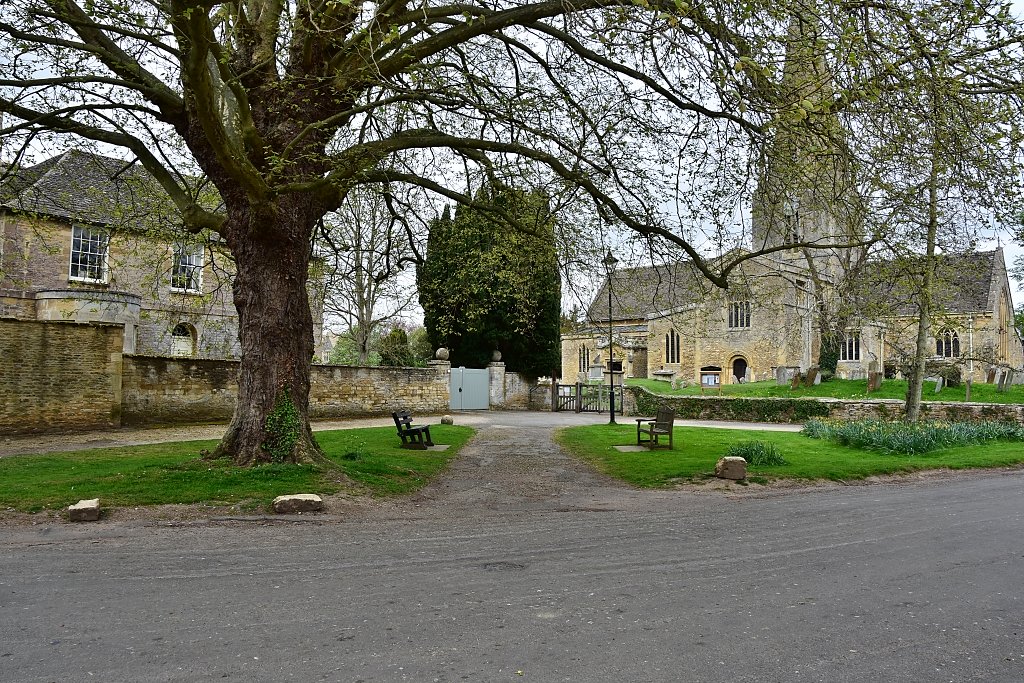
x=469, y=389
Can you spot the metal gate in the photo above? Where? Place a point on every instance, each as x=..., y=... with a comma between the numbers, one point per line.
x=470, y=389
x=587, y=398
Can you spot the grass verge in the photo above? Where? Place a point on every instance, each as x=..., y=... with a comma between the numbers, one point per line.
x=173, y=473
x=697, y=450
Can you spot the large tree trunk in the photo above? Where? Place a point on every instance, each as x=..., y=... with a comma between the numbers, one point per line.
x=271, y=420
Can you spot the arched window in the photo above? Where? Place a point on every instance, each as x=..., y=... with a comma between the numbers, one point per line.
x=671, y=347
x=947, y=344
x=183, y=340
x=584, y=359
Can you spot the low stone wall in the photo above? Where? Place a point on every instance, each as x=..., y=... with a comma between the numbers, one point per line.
x=797, y=410
x=59, y=376
x=512, y=391
x=159, y=390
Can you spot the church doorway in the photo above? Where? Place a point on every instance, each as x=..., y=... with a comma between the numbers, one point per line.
x=739, y=369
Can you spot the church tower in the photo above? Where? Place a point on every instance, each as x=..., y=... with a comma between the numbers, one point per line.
x=806, y=195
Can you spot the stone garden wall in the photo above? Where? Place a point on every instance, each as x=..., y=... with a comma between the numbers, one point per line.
x=639, y=401
x=188, y=391
x=59, y=376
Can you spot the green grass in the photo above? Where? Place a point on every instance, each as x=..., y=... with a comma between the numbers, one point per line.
x=841, y=388
x=174, y=473
x=697, y=450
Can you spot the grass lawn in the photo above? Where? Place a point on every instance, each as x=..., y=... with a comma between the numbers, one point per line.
x=697, y=450
x=174, y=473
x=841, y=388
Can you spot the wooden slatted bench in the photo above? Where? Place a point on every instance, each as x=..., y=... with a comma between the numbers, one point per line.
x=412, y=436
x=655, y=427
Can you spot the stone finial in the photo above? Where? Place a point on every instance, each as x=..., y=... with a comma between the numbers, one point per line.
x=299, y=502
x=85, y=510
x=441, y=354
x=447, y=420
x=496, y=356
x=731, y=467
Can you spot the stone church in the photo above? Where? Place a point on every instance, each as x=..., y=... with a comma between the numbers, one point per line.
x=670, y=323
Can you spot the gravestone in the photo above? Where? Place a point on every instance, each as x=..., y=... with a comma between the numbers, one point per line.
x=967, y=389
x=812, y=376
x=939, y=383
x=874, y=381
x=1003, y=384
x=991, y=378
x=748, y=376
x=795, y=382
x=781, y=375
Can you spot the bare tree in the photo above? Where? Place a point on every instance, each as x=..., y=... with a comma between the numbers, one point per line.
x=365, y=247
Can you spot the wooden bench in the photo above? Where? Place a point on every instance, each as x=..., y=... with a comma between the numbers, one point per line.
x=654, y=428
x=412, y=436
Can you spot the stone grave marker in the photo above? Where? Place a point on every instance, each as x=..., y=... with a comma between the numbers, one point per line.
x=812, y=377
x=991, y=378
x=939, y=383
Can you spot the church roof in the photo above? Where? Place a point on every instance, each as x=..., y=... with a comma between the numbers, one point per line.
x=638, y=292
x=85, y=187
x=963, y=282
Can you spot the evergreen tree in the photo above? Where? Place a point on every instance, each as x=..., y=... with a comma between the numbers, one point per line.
x=487, y=285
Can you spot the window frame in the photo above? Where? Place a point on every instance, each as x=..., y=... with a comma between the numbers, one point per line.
x=83, y=234
x=739, y=315
x=947, y=343
x=672, y=355
x=180, y=252
x=849, y=350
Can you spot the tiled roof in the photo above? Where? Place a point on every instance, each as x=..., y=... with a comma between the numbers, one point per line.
x=963, y=283
x=638, y=292
x=80, y=186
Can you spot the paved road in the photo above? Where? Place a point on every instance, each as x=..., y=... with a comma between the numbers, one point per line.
x=522, y=565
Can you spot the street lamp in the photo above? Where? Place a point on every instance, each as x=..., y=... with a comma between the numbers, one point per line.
x=609, y=266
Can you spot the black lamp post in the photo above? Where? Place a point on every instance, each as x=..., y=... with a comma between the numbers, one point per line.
x=609, y=266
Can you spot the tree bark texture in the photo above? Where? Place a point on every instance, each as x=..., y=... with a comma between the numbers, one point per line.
x=271, y=420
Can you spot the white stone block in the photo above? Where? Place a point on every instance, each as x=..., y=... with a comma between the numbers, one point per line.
x=85, y=510
x=299, y=502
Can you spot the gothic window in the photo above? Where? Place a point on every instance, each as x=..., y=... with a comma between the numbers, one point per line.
x=584, y=359
x=850, y=350
x=739, y=314
x=671, y=347
x=89, y=249
x=947, y=344
x=187, y=269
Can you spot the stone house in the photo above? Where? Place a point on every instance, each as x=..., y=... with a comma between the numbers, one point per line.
x=91, y=239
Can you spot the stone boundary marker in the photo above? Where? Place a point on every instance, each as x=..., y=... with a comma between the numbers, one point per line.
x=299, y=502
x=731, y=467
x=85, y=510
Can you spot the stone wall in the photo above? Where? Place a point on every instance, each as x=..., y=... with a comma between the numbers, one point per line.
x=797, y=410
x=188, y=391
x=58, y=376
x=512, y=391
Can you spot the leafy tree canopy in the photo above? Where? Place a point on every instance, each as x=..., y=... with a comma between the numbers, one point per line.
x=486, y=285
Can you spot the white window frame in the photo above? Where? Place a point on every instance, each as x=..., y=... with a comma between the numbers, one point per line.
x=188, y=261
x=739, y=315
x=850, y=348
x=82, y=235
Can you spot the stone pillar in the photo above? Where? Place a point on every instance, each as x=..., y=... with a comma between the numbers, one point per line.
x=497, y=382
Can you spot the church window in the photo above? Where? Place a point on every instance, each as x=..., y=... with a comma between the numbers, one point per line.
x=89, y=249
x=850, y=350
x=739, y=314
x=947, y=344
x=584, y=359
x=671, y=347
